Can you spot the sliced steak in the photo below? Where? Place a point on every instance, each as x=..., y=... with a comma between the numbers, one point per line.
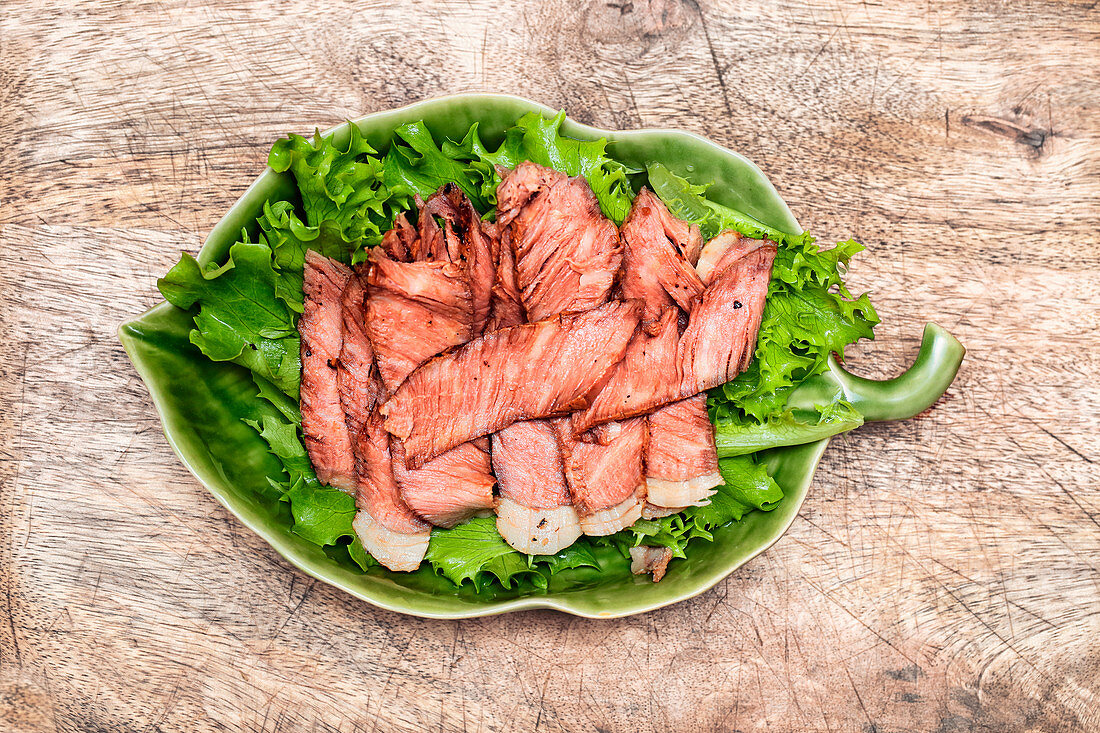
x=450, y=488
x=400, y=241
x=355, y=374
x=528, y=465
x=647, y=377
x=387, y=527
x=506, y=305
x=469, y=244
x=681, y=460
x=415, y=310
x=606, y=482
x=656, y=269
x=325, y=432
x=419, y=309
x=567, y=252
x=717, y=345
x=720, y=338
x=522, y=372
x=723, y=251
x=651, y=560
x=534, y=513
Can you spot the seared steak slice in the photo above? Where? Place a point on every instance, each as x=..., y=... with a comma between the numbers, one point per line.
x=567, y=252
x=321, y=328
x=651, y=560
x=415, y=310
x=720, y=339
x=469, y=244
x=400, y=241
x=681, y=460
x=606, y=482
x=655, y=267
x=431, y=246
x=506, y=305
x=518, y=373
x=659, y=249
x=717, y=345
x=723, y=251
x=534, y=513
x=388, y=529
x=528, y=465
x=355, y=375
x=450, y=488
x=647, y=377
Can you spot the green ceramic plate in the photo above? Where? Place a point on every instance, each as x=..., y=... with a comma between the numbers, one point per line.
x=201, y=403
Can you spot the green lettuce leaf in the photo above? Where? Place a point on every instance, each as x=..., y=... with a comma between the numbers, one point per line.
x=482, y=163
x=422, y=167
x=322, y=514
x=285, y=443
x=473, y=550
x=671, y=532
x=735, y=435
x=289, y=238
x=346, y=187
x=360, y=556
x=577, y=555
x=240, y=318
x=747, y=487
x=286, y=406
x=539, y=139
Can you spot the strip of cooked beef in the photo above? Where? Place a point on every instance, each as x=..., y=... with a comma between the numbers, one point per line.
x=539, y=482
x=717, y=345
x=450, y=488
x=720, y=338
x=723, y=251
x=321, y=328
x=430, y=288
x=506, y=306
x=542, y=369
x=659, y=249
x=655, y=267
x=568, y=258
x=681, y=460
x=469, y=244
x=606, y=482
x=653, y=560
x=400, y=241
x=355, y=374
x=567, y=252
x=534, y=513
x=420, y=309
x=387, y=527
x=415, y=310
x=647, y=377
x=431, y=245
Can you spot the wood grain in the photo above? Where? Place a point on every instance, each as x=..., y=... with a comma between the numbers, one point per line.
x=944, y=574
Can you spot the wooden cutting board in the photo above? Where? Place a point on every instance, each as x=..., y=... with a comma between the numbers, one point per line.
x=944, y=573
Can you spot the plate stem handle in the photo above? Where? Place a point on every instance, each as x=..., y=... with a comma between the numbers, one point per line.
x=912, y=392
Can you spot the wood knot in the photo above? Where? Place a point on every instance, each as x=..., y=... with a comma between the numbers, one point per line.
x=1030, y=135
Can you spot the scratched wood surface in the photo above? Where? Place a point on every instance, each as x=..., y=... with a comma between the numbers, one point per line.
x=944, y=574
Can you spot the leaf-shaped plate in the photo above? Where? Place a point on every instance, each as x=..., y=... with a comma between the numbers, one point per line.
x=202, y=403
